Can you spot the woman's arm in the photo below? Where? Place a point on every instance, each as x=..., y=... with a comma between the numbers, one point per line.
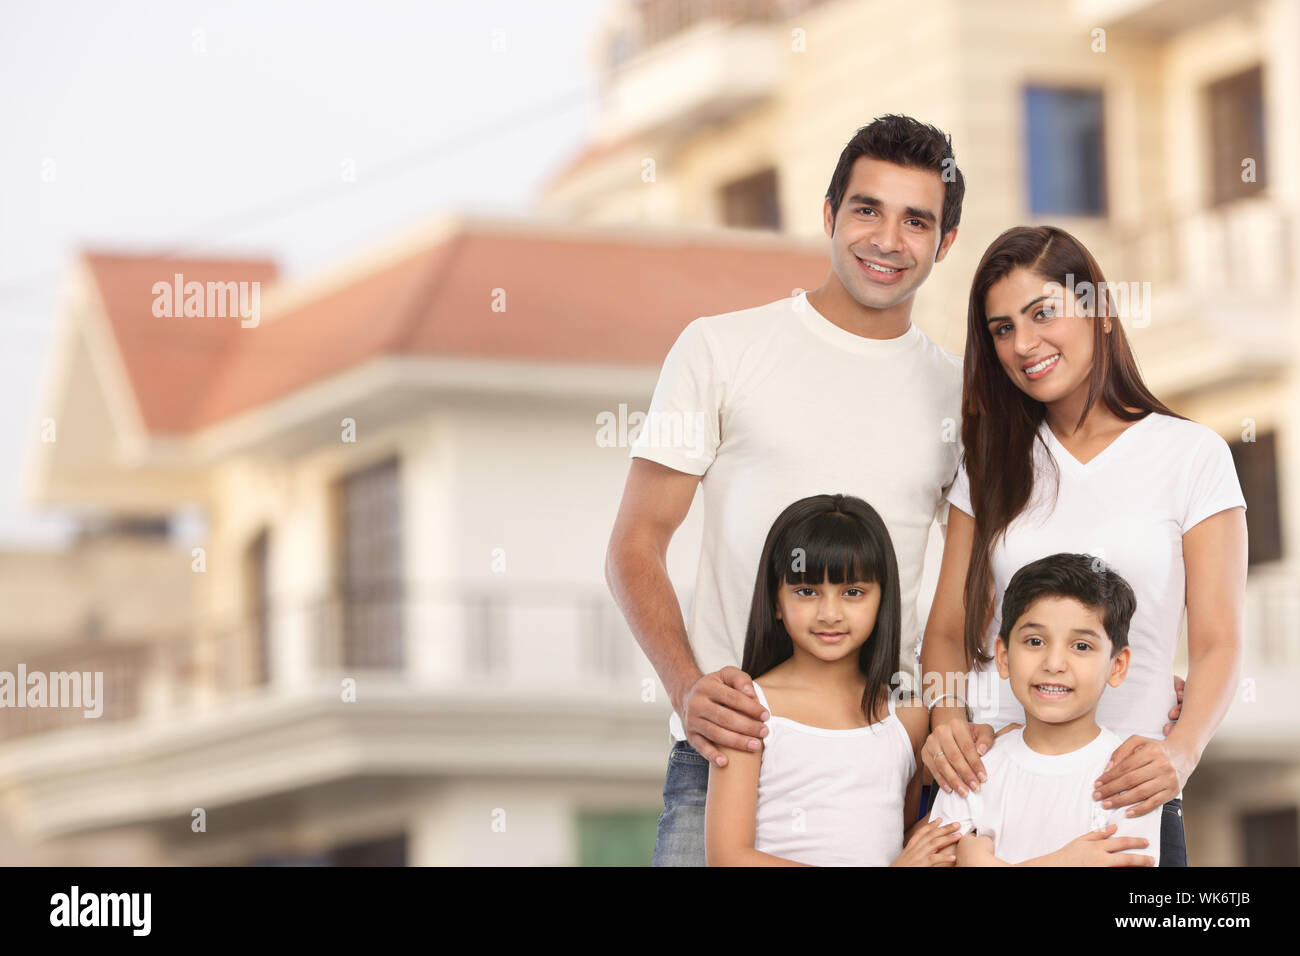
x=1153, y=772
x=911, y=713
x=943, y=669
x=730, y=810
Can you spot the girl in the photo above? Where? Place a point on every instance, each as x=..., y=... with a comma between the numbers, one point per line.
x=1067, y=450
x=826, y=789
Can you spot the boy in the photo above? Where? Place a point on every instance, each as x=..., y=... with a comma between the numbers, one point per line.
x=1063, y=639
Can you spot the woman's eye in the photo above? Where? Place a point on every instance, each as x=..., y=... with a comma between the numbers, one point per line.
x=854, y=591
x=801, y=591
x=1045, y=313
x=997, y=333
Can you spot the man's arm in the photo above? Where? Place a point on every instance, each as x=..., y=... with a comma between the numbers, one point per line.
x=655, y=502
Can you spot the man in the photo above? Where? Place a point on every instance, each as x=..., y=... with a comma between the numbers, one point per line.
x=830, y=391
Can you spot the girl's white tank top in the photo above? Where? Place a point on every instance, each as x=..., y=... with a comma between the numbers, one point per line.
x=833, y=797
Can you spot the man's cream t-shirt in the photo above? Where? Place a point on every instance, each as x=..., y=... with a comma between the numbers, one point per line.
x=776, y=403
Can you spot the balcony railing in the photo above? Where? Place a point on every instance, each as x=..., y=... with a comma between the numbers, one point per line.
x=1241, y=248
x=525, y=636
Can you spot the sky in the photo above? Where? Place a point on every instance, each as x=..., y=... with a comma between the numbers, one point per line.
x=233, y=127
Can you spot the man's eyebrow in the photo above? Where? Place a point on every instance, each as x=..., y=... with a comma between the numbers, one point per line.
x=915, y=212
x=1027, y=306
x=1074, y=630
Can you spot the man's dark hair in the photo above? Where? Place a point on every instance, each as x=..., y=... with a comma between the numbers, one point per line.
x=903, y=141
x=1080, y=576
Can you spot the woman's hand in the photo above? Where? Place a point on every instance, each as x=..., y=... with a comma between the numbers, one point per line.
x=931, y=844
x=1142, y=771
x=953, y=749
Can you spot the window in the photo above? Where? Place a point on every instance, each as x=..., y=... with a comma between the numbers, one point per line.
x=751, y=203
x=1271, y=838
x=1235, y=110
x=257, y=585
x=1064, y=151
x=1256, y=464
x=370, y=567
x=618, y=838
x=387, y=851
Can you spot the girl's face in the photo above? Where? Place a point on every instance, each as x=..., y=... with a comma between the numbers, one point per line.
x=828, y=621
x=1041, y=338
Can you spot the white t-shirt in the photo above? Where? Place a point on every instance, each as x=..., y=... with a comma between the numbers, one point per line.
x=1129, y=506
x=1034, y=804
x=776, y=403
x=833, y=797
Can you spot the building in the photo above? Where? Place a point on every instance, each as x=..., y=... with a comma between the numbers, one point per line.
x=1155, y=131
x=399, y=647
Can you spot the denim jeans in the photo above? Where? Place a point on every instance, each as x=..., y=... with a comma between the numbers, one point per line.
x=680, y=837
x=1173, y=838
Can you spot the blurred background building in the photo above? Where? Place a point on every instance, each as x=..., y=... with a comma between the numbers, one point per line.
x=388, y=639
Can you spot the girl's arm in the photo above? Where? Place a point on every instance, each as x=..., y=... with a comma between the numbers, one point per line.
x=730, y=810
x=1151, y=772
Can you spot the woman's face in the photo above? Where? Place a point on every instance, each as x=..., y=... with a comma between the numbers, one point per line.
x=1042, y=341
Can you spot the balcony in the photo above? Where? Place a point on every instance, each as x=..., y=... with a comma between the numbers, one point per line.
x=445, y=682
x=1162, y=18
x=1261, y=724
x=1221, y=294
x=702, y=75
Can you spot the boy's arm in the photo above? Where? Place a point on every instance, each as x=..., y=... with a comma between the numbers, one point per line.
x=976, y=850
x=730, y=811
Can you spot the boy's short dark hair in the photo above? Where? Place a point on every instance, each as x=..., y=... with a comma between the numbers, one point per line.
x=903, y=141
x=1083, y=577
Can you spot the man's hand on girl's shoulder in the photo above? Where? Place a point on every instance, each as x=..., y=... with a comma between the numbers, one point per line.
x=722, y=710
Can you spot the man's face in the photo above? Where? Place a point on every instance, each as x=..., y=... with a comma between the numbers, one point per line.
x=1058, y=659
x=885, y=237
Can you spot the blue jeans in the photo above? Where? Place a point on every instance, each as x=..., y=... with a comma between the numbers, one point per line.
x=1173, y=838
x=680, y=837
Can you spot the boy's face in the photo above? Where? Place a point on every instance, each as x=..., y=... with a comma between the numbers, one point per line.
x=890, y=216
x=829, y=621
x=1058, y=660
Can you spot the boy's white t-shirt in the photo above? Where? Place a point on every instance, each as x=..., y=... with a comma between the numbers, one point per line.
x=776, y=403
x=1034, y=804
x=1130, y=506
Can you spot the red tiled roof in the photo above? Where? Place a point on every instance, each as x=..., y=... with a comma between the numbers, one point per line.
x=570, y=297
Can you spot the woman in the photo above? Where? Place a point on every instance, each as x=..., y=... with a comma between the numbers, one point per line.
x=1067, y=450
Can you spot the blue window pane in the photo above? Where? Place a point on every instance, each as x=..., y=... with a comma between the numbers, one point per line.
x=1064, y=151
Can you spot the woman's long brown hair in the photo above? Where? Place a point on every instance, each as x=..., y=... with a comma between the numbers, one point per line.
x=1000, y=422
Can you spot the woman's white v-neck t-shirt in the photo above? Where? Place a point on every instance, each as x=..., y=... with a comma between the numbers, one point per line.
x=1130, y=506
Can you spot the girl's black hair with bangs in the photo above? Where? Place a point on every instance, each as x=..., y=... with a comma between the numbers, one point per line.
x=835, y=537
